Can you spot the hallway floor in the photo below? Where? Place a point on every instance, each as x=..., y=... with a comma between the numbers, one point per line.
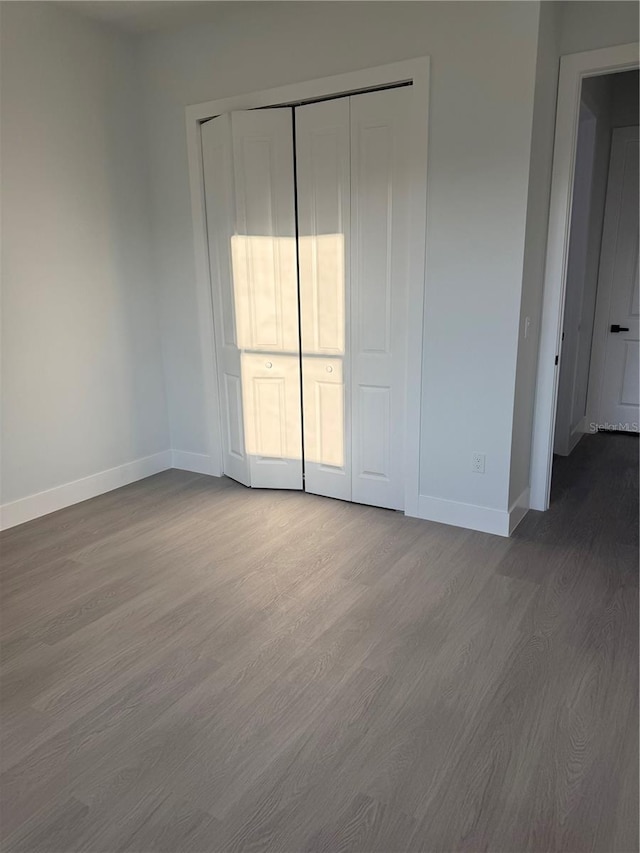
x=188, y=665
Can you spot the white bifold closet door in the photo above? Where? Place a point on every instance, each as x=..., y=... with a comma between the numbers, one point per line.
x=353, y=199
x=380, y=206
x=250, y=204
x=352, y=157
x=324, y=223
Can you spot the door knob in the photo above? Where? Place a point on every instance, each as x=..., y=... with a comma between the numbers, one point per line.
x=615, y=328
x=268, y=364
x=329, y=369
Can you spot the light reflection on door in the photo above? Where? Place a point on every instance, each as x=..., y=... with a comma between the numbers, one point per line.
x=267, y=336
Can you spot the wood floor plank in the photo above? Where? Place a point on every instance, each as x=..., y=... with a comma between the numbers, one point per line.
x=189, y=665
x=365, y=824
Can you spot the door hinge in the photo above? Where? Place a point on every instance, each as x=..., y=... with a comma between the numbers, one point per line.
x=556, y=361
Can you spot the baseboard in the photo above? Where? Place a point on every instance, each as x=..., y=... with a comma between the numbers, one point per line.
x=42, y=503
x=199, y=463
x=456, y=513
x=473, y=517
x=518, y=509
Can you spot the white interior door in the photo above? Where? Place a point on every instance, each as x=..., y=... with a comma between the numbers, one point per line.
x=249, y=185
x=380, y=205
x=575, y=344
x=322, y=159
x=618, y=287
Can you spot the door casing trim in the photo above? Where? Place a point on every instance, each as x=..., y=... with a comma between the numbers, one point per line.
x=574, y=68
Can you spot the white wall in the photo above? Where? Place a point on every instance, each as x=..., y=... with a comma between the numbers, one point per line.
x=483, y=74
x=587, y=25
x=82, y=384
x=536, y=247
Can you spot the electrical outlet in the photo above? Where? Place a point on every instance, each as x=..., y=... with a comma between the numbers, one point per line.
x=477, y=463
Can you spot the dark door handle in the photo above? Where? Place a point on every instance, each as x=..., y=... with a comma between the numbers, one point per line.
x=615, y=328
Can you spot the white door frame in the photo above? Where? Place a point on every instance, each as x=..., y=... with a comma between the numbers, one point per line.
x=415, y=71
x=573, y=69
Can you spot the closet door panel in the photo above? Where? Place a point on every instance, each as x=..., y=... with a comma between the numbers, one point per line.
x=266, y=295
x=323, y=183
x=380, y=227
x=249, y=196
x=218, y=181
x=264, y=254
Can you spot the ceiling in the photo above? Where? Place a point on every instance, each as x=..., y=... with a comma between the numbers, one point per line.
x=145, y=16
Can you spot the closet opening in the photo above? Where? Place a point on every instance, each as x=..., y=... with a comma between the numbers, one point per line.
x=312, y=210
x=314, y=220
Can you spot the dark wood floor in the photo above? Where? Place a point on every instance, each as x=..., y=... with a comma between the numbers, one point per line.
x=192, y=666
